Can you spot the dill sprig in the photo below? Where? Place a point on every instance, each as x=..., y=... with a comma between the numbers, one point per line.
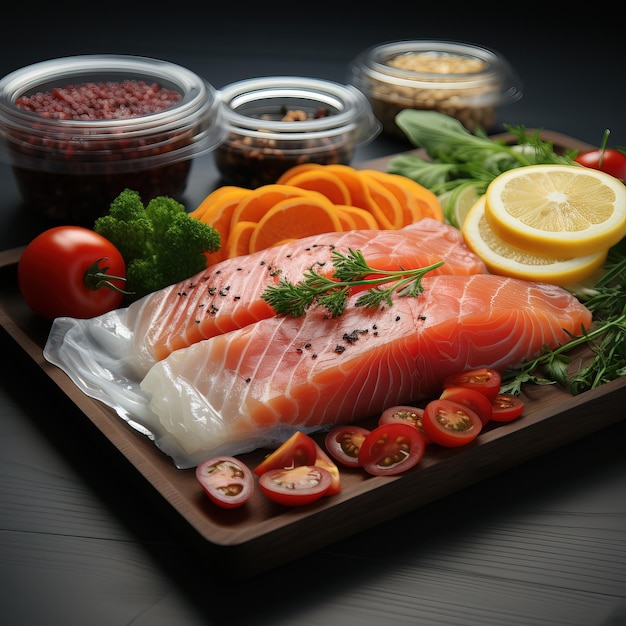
x=350, y=270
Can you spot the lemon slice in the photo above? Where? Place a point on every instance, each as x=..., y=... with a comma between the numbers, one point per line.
x=564, y=210
x=505, y=259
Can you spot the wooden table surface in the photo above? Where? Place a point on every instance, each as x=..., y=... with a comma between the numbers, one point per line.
x=83, y=540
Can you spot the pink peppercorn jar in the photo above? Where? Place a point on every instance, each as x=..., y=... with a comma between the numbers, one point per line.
x=78, y=130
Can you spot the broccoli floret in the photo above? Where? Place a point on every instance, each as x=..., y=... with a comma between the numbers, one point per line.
x=161, y=244
x=127, y=226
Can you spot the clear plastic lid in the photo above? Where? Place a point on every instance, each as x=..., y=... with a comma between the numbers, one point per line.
x=472, y=73
x=255, y=108
x=190, y=127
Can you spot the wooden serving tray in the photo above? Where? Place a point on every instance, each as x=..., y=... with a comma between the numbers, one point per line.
x=262, y=535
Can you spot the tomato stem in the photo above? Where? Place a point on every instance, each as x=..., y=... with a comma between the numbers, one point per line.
x=96, y=277
x=605, y=141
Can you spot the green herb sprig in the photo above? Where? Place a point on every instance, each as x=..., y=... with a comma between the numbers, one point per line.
x=606, y=339
x=456, y=157
x=350, y=270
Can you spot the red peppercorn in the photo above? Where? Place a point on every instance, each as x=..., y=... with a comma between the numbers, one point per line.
x=100, y=101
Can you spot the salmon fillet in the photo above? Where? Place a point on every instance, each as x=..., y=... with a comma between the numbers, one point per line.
x=252, y=387
x=227, y=295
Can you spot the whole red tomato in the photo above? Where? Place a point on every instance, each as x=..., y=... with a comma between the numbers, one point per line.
x=612, y=162
x=71, y=271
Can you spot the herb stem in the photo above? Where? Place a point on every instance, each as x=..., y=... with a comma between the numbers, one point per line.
x=350, y=270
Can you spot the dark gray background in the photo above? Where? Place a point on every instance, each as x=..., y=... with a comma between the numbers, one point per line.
x=571, y=63
x=82, y=539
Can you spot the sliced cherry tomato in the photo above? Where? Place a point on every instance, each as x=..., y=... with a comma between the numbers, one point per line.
x=71, y=271
x=451, y=424
x=299, y=449
x=483, y=379
x=507, y=407
x=403, y=414
x=478, y=402
x=612, y=162
x=296, y=486
x=392, y=449
x=344, y=443
x=324, y=461
x=226, y=480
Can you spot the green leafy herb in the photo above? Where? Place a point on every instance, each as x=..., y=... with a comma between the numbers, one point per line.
x=605, y=340
x=456, y=156
x=351, y=270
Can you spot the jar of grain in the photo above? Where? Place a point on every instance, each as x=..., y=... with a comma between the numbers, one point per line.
x=464, y=81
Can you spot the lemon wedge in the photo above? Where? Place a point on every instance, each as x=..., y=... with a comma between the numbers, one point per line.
x=457, y=202
x=563, y=210
x=505, y=259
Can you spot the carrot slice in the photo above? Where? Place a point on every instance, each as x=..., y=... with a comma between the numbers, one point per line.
x=297, y=169
x=294, y=218
x=363, y=219
x=413, y=192
x=410, y=203
x=360, y=192
x=387, y=203
x=239, y=239
x=345, y=217
x=323, y=181
x=256, y=204
x=218, y=214
x=215, y=196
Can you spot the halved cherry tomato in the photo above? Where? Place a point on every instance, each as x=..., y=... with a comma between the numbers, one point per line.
x=324, y=461
x=226, y=480
x=392, y=449
x=344, y=443
x=401, y=414
x=451, y=424
x=299, y=449
x=484, y=379
x=404, y=414
x=478, y=402
x=507, y=407
x=296, y=486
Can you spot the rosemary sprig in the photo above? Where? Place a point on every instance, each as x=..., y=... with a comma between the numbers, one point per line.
x=606, y=339
x=350, y=270
x=603, y=340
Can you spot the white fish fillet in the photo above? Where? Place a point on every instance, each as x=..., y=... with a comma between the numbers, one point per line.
x=254, y=386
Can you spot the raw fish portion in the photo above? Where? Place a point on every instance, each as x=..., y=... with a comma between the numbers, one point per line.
x=227, y=295
x=254, y=386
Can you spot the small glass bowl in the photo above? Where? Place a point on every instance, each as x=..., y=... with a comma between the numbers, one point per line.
x=274, y=123
x=462, y=80
x=69, y=170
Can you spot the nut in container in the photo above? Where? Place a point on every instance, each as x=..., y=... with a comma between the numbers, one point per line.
x=461, y=80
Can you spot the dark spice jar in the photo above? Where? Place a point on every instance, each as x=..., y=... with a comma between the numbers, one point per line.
x=78, y=130
x=274, y=123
